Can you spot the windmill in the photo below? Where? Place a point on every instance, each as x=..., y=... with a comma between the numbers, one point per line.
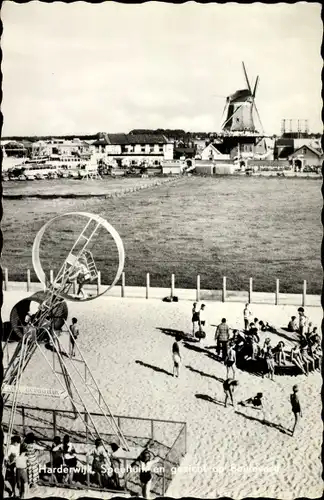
x=239, y=109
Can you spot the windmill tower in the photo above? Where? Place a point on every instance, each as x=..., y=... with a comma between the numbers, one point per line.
x=240, y=108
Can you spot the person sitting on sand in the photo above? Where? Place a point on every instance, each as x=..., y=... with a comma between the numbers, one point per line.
x=280, y=353
x=296, y=359
x=146, y=461
x=316, y=354
x=307, y=359
x=230, y=360
x=309, y=328
x=176, y=356
x=295, y=407
x=293, y=325
x=195, y=317
x=256, y=403
x=229, y=385
x=313, y=336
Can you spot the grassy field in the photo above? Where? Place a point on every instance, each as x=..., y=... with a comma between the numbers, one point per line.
x=238, y=227
x=72, y=186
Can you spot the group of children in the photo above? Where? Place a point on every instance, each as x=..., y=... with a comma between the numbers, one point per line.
x=21, y=465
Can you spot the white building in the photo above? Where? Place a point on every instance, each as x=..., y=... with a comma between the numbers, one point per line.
x=134, y=149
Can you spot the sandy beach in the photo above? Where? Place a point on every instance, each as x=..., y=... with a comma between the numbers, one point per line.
x=126, y=344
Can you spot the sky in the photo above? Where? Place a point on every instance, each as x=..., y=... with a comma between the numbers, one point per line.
x=83, y=68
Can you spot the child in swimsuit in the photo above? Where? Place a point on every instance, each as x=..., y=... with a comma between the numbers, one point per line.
x=176, y=357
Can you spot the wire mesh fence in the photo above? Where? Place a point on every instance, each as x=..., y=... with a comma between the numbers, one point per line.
x=166, y=440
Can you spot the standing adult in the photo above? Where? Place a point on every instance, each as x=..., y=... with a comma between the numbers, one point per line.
x=295, y=407
x=74, y=333
x=32, y=459
x=247, y=315
x=222, y=337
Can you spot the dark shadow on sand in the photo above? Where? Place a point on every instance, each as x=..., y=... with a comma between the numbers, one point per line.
x=49, y=347
x=205, y=397
x=155, y=368
x=203, y=374
x=173, y=333
x=279, y=427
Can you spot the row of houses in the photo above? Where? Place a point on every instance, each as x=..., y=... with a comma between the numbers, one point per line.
x=127, y=150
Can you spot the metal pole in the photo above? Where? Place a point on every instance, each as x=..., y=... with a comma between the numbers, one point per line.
x=54, y=423
x=6, y=279
x=277, y=292
x=224, y=289
x=147, y=284
x=304, y=293
x=28, y=280
x=172, y=285
x=123, y=285
x=98, y=282
x=51, y=276
x=74, y=287
x=198, y=288
x=23, y=419
x=250, y=290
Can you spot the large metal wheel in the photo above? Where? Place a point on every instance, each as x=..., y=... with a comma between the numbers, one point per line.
x=73, y=241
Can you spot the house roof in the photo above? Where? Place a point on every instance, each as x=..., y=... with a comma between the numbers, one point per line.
x=213, y=147
x=310, y=148
x=123, y=139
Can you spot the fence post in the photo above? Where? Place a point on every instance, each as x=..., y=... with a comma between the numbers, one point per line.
x=277, y=292
x=123, y=285
x=147, y=284
x=28, y=280
x=198, y=288
x=304, y=293
x=51, y=276
x=224, y=289
x=250, y=290
x=6, y=279
x=172, y=285
x=163, y=485
x=98, y=282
